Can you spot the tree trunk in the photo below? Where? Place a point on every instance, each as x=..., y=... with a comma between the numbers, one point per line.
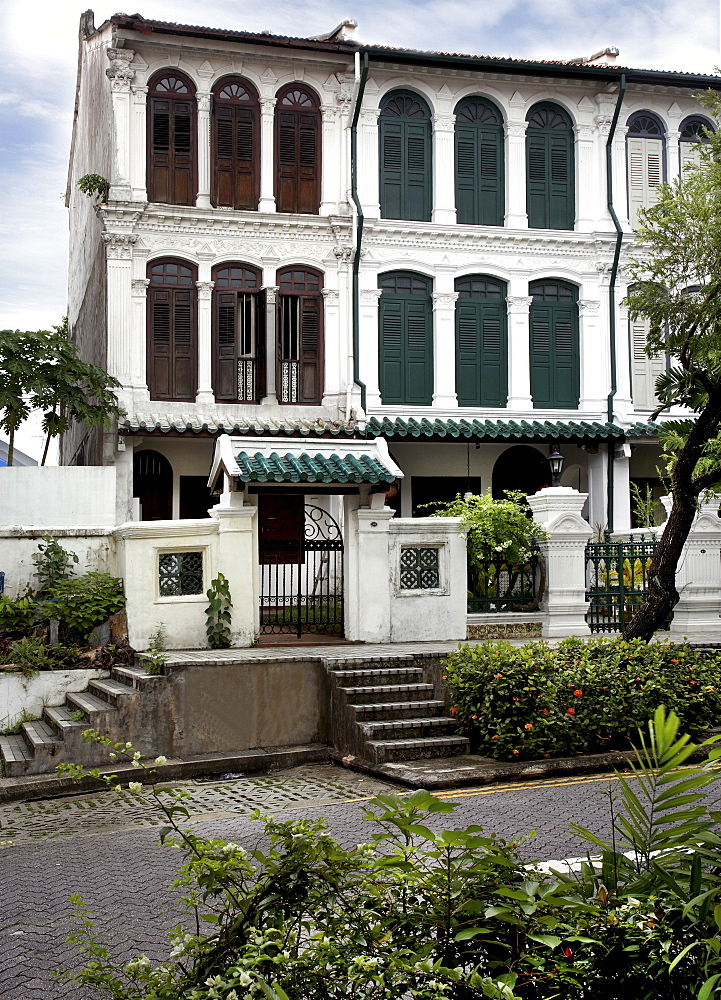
x=662, y=595
x=11, y=445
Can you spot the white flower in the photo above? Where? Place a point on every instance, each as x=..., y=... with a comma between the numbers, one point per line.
x=161, y=760
x=244, y=979
x=136, y=756
x=113, y=756
x=134, y=787
x=128, y=746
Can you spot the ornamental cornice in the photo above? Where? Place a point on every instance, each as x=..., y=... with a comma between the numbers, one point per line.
x=205, y=290
x=444, y=300
x=370, y=296
x=119, y=246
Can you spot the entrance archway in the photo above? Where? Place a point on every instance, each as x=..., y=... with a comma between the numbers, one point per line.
x=153, y=485
x=520, y=468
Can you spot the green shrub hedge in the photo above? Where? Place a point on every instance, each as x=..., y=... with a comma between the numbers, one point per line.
x=583, y=696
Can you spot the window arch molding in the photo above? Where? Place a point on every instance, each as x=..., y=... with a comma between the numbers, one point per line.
x=692, y=134
x=298, y=149
x=550, y=167
x=172, y=346
x=645, y=160
x=300, y=352
x=481, y=340
x=238, y=332
x=479, y=162
x=172, y=144
x=405, y=156
x=405, y=337
x=554, y=343
x=235, y=144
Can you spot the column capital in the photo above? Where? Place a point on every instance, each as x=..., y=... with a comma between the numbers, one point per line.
x=119, y=72
x=140, y=286
x=584, y=132
x=518, y=305
x=444, y=300
x=203, y=102
x=331, y=296
x=271, y=293
x=370, y=116
x=329, y=112
x=205, y=289
x=589, y=307
x=443, y=123
x=119, y=246
x=140, y=94
x=515, y=130
x=370, y=296
x=267, y=104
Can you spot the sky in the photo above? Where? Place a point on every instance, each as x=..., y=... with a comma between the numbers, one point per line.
x=38, y=63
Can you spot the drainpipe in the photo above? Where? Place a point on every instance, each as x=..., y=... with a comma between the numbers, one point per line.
x=358, y=228
x=612, y=297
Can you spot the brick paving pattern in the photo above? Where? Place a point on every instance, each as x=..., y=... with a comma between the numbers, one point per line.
x=104, y=847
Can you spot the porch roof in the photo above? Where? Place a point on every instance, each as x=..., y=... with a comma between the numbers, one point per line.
x=503, y=429
x=277, y=460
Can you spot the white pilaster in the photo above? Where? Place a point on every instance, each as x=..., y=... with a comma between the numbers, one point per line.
x=444, y=192
x=203, y=198
x=516, y=212
x=267, y=180
x=586, y=178
x=118, y=249
x=368, y=168
x=519, y=352
x=139, y=190
x=673, y=165
x=593, y=357
x=597, y=487
x=621, y=487
x=205, y=394
x=444, y=350
x=620, y=178
x=331, y=175
x=237, y=551
x=368, y=339
x=331, y=342
x=120, y=75
x=138, y=350
x=271, y=349
x=558, y=509
x=368, y=580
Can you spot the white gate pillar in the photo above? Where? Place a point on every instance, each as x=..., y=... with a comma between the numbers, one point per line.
x=238, y=562
x=558, y=509
x=367, y=599
x=698, y=577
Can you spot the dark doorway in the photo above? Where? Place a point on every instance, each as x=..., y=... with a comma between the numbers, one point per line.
x=195, y=497
x=520, y=468
x=440, y=489
x=153, y=485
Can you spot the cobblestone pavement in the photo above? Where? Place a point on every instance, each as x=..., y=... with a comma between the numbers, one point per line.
x=105, y=847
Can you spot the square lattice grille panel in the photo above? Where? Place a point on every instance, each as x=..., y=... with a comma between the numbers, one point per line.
x=419, y=569
x=180, y=574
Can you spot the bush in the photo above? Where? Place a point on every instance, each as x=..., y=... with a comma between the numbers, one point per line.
x=54, y=563
x=584, y=696
x=83, y=602
x=31, y=654
x=16, y=616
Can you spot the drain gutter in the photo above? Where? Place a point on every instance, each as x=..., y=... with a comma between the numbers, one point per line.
x=358, y=229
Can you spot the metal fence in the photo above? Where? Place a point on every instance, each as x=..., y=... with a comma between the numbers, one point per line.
x=616, y=582
x=497, y=586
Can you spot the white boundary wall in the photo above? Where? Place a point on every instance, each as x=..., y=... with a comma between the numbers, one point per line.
x=65, y=496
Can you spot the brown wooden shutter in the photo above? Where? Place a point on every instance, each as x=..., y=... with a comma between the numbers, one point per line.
x=172, y=151
x=172, y=344
x=308, y=179
x=160, y=156
x=286, y=185
x=309, y=351
x=236, y=157
x=297, y=161
x=226, y=357
x=160, y=344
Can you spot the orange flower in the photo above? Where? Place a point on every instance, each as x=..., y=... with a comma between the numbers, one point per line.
x=444, y=677
x=674, y=661
x=545, y=711
x=528, y=726
x=474, y=716
x=498, y=676
x=454, y=710
x=494, y=737
x=570, y=711
x=515, y=751
x=518, y=699
x=638, y=679
x=578, y=693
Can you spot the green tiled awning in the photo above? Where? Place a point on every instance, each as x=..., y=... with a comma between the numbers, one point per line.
x=305, y=468
x=506, y=429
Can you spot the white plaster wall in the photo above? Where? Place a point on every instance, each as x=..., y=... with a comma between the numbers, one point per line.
x=434, y=615
x=94, y=547
x=63, y=496
x=30, y=695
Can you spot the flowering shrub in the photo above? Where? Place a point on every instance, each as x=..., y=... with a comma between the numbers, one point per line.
x=496, y=527
x=584, y=696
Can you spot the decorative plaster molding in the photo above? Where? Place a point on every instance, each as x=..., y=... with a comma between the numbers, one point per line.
x=140, y=94
x=140, y=286
x=343, y=253
x=589, y=307
x=329, y=112
x=205, y=289
x=444, y=300
x=119, y=72
x=516, y=130
x=370, y=296
x=267, y=104
x=518, y=305
x=119, y=246
x=672, y=135
x=331, y=296
x=443, y=123
x=271, y=294
x=203, y=102
x=370, y=116
x=584, y=132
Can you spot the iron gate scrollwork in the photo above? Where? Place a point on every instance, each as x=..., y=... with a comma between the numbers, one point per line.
x=301, y=569
x=617, y=582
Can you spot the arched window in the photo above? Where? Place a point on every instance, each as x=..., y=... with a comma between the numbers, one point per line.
x=172, y=140
x=235, y=144
x=406, y=338
x=238, y=334
x=405, y=157
x=481, y=342
x=298, y=150
x=694, y=130
x=644, y=153
x=172, y=346
x=554, y=344
x=153, y=485
x=300, y=335
x=479, y=163
x=550, y=194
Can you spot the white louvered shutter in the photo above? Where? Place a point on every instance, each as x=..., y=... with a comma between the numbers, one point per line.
x=645, y=370
x=645, y=174
x=689, y=152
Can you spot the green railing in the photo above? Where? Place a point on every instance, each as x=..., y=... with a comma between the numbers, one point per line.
x=497, y=586
x=616, y=581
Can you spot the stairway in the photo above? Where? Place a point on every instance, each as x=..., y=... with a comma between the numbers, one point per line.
x=385, y=710
x=109, y=705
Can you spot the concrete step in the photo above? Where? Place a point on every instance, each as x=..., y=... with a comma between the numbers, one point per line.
x=111, y=690
x=381, y=676
x=397, y=710
x=41, y=737
x=405, y=729
x=14, y=750
x=387, y=692
x=93, y=707
x=134, y=676
x=61, y=718
x=385, y=751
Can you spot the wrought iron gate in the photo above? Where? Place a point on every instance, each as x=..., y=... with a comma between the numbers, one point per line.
x=616, y=581
x=301, y=569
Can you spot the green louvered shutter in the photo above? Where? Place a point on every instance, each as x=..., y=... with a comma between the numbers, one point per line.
x=479, y=164
x=481, y=353
x=392, y=355
x=536, y=180
x=555, y=378
x=550, y=192
x=419, y=353
x=405, y=158
x=560, y=185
